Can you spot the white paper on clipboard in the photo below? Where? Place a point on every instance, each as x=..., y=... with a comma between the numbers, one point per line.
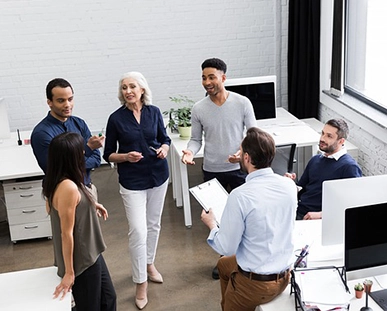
x=211, y=194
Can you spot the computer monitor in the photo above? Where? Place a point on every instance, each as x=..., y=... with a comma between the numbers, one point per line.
x=340, y=194
x=260, y=90
x=365, y=241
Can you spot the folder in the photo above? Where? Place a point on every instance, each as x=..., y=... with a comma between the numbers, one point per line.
x=211, y=194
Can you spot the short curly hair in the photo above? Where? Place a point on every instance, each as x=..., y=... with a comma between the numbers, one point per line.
x=54, y=83
x=215, y=63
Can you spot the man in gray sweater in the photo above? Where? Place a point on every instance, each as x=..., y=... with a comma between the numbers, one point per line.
x=222, y=116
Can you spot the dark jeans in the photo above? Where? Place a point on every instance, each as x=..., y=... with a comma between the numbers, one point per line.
x=93, y=289
x=229, y=180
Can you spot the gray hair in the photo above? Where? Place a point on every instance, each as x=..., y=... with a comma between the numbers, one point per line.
x=146, y=98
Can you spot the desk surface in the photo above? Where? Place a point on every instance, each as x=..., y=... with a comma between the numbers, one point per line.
x=31, y=290
x=286, y=128
x=18, y=161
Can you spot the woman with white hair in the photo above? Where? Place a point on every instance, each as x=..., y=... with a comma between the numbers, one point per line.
x=137, y=141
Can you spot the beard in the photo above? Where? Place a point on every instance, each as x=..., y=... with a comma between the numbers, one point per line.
x=328, y=148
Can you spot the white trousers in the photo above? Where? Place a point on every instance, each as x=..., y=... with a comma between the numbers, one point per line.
x=143, y=210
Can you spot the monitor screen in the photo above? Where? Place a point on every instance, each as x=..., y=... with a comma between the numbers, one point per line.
x=340, y=194
x=260, y=91
x=365, y=242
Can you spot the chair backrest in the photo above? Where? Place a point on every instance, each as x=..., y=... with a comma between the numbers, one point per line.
x=284, y=159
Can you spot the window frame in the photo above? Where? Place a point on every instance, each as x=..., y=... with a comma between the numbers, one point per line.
x=360, y=56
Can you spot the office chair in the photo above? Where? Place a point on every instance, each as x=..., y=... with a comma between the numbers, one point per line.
x=284, y=159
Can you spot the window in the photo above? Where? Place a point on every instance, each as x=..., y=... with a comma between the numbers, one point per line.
x=366, y=51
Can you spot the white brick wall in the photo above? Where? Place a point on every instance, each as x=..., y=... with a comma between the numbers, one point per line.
x=92, y=43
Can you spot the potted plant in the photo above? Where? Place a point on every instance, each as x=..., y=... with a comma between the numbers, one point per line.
x=180, y=117
x=359, y=290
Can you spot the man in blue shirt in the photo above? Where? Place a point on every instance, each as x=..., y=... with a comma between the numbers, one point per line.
x=59, y=119
x=333, y=163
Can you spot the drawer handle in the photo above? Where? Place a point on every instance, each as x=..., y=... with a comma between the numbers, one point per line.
x=26, y=195
x=29, y=212
x=25, y=188
x=31, y=227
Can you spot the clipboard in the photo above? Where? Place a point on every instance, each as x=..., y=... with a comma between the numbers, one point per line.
x=211, y=194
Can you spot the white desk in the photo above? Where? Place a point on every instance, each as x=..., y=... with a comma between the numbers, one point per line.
x=285, y=301
x=18, y=161
x=31, y=290
x=305, y=232
x=285, y=129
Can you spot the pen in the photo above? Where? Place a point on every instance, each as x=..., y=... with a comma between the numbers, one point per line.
x=304, y=252
x=154, y=149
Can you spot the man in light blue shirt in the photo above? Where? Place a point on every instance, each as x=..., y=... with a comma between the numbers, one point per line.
x=256, y=229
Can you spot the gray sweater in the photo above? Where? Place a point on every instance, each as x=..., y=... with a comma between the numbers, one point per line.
x=222, y=128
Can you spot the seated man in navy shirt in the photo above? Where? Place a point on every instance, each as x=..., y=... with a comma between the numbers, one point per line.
x=59, y=119
x=333, y=163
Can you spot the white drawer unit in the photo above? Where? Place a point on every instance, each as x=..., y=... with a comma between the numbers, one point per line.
x=26, y=210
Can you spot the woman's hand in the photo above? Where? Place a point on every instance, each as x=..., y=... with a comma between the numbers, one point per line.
x=162, y=152
x=101, y=211
x=134, y=156
x=65, y=286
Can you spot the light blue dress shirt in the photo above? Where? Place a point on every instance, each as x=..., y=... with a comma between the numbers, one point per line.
x=257, y=223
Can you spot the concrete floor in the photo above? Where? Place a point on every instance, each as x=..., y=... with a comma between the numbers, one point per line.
x=184, y=258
